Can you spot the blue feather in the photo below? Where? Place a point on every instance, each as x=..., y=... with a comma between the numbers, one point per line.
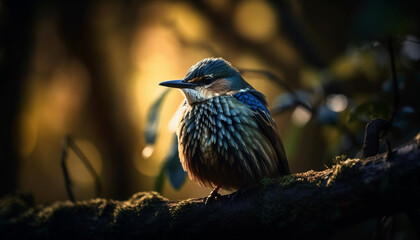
x=251, y=100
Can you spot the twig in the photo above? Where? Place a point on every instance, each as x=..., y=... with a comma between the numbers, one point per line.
x=89, y=167
x=68, y=142
x=64, y=154
x=372, y=135
x=282, y=84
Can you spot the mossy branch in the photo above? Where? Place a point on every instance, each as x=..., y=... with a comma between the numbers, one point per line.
x=304, y=204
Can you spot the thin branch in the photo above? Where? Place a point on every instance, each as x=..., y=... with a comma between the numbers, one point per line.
x=67, y=181
x=372, y=136
x=72, y=144
x=68, y=142
x=280, y=82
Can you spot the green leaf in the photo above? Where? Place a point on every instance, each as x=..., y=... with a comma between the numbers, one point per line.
x=292, y=139
x=327, y=116
x=370, y=110
x=160, y=181
x=403, y=114
x=152, y=119
x=173, y=166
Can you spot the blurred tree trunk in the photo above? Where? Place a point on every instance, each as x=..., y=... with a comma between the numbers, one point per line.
x=15, y=50
x=74, y=21
x=78, y=34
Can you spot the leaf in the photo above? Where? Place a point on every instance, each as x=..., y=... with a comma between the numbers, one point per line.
x=282, y=102
x=160, y=181
x=388, y=85
x=291, y=141
x=152, y=119
x=370, y=110
x=174, y=167
x=327, y=116
x=402, y=115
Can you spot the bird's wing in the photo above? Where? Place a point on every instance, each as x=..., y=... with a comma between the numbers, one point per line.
x=256, y=101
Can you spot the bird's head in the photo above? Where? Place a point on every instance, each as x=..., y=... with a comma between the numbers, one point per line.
x=209, y=78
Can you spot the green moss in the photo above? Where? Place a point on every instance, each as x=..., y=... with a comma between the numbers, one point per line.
x=288, y=180
x=177, y=212
x=180, y=207
x=266, y=208
x=338, y=159
x=343, y=168
x=46, y=213
x=129, y=212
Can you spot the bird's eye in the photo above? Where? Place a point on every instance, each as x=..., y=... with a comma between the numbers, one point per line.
x=207, y=80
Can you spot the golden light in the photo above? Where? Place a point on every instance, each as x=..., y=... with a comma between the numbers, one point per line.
x=173, y=123
x=256, y=20
x=310, y=77
x=148, y=166
x=188, y=22
x=28, y=134
x=64, y=97
x=158, y=55
x=347, y=65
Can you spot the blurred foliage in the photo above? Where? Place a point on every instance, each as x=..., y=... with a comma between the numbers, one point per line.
x=172, y=168
x=370, y=110
x=352, y=88
x=152, y=119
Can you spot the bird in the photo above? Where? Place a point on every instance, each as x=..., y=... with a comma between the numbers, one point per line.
x=227, y=138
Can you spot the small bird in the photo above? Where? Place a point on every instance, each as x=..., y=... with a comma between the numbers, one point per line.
x=226, y=135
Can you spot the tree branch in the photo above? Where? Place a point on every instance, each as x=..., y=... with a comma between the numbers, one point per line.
x=295, y=206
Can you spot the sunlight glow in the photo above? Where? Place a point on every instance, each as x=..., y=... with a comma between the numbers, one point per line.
x=263, y=25
x=28, y=132
x=173, y=123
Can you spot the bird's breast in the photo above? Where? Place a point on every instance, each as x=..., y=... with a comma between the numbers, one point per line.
x=219, y=141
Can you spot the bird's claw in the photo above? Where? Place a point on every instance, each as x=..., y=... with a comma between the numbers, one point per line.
x=213, y=195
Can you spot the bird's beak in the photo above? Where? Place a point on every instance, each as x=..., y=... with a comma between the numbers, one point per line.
x=178, y=84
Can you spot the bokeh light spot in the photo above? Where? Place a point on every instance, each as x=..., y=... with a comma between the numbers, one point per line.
x=147, y=151
x=337, y=102
x=301, y=116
